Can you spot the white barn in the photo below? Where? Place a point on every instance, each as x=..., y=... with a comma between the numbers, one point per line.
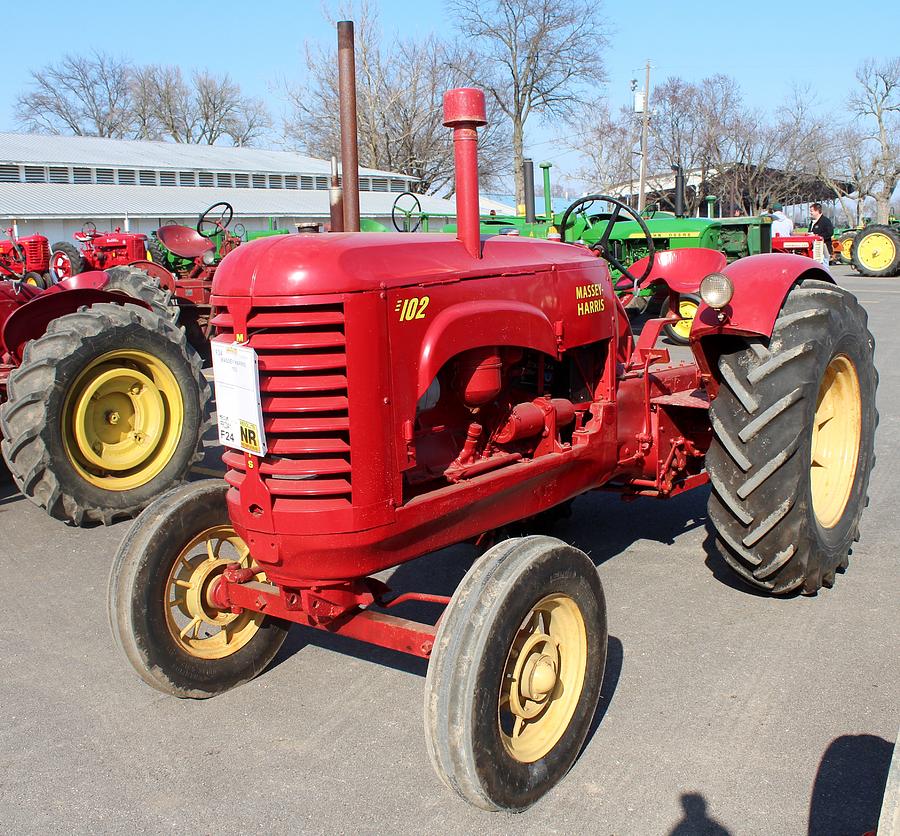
x=52, y=185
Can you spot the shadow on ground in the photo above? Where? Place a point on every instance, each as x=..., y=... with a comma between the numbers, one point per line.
x=695, y=820
x=849, y=787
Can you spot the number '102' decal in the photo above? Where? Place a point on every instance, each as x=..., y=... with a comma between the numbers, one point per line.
x=410, y=309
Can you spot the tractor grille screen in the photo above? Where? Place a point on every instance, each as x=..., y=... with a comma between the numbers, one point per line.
x=36, y=251
x=303, y=384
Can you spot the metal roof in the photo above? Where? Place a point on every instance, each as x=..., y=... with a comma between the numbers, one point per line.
x=39, y=149
x=65, y=200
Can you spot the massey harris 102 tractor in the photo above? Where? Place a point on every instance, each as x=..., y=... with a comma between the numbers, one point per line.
x=385, y=396
x=102, y=401
x=26, y=259
x=99, y=251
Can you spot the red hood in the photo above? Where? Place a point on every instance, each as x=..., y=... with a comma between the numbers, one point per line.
x=350, y=262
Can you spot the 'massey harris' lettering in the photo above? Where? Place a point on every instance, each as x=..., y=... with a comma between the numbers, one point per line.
x=593, y=293
x=591, y=306
x=588, y=291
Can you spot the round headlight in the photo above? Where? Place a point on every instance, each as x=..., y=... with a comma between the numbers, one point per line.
x=208, y=257
x=716, y=290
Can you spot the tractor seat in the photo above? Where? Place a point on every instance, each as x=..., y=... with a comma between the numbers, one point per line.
x=184, y=241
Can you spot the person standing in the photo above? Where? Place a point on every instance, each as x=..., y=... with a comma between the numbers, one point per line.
x=782, y=225
x=822, y=225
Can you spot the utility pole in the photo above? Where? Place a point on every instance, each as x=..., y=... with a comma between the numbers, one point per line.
x=645, y=125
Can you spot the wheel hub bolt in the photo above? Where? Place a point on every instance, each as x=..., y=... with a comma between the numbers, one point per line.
x=136, y=389
x=97, y=448
x=112, y=418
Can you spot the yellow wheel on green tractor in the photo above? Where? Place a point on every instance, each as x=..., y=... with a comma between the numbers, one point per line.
x=876, y=251
x=106, y=412
x=680, y=332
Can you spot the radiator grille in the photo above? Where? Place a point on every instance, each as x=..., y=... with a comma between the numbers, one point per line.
x=303, y=385
x=37, y=253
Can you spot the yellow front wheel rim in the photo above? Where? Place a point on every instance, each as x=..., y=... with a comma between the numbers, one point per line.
x=543, y=678
x=835, y=440
x=847, y=249
x=876, y=251
x=687, y=310
x=196, y=626
x=122, y=420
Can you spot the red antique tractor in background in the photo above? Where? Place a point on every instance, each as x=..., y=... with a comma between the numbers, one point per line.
x=99, y=251
x=384, y=396
x=812, y=246
x=102, y=401
x=26, y=259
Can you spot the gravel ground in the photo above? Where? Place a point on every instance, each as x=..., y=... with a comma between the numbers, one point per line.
x=722, y=711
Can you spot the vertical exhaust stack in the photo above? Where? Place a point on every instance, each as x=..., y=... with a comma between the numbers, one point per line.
x=464, y=111
x=679, y=191
x=336, y=199
x=349, y=145
x=548, y=200
x=528, y=176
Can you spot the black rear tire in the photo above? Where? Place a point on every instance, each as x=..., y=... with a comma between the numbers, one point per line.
x=890, y=250
x=761, y=459
x=38, y=430
x=156, y=252
x=139, y=591
x=134, y=282
x=478, y=647
x=70, y=254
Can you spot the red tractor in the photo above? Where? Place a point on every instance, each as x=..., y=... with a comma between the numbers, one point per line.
x=26, y=259
x=812, y=246
x=102, y=401
x=385, y=396
x=99, y=251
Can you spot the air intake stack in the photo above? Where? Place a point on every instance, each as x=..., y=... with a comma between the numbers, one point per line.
x=464, y=111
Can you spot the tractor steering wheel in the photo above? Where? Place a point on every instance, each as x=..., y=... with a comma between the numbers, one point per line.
x=601, y=245
x=216, y=219
x=415, y=211
x=88, y=229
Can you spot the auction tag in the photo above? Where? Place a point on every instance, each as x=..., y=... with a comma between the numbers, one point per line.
x=819, y=250
x=236, y=375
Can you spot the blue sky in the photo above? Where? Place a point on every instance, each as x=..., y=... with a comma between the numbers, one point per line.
x=767, y=51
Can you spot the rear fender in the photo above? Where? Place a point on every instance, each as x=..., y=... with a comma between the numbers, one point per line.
x=468, y=325
x=761, y=284
x=30, y=321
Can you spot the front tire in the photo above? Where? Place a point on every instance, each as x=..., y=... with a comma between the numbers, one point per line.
x=158, y=599
x=515, y=675
x=105, y=413
x=845, y=244
x=793, y=442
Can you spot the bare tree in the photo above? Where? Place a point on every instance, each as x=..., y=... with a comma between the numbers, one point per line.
x=878, y=103
x=86, y=95
x=205, y=110
x=532, y=56
x=400, y=89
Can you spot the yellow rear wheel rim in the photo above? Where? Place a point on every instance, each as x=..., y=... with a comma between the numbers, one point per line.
x=122, y=420
x=835, y=440
x=876, y=251
x=196, y=626
x=687, y=310
x=543, y=678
